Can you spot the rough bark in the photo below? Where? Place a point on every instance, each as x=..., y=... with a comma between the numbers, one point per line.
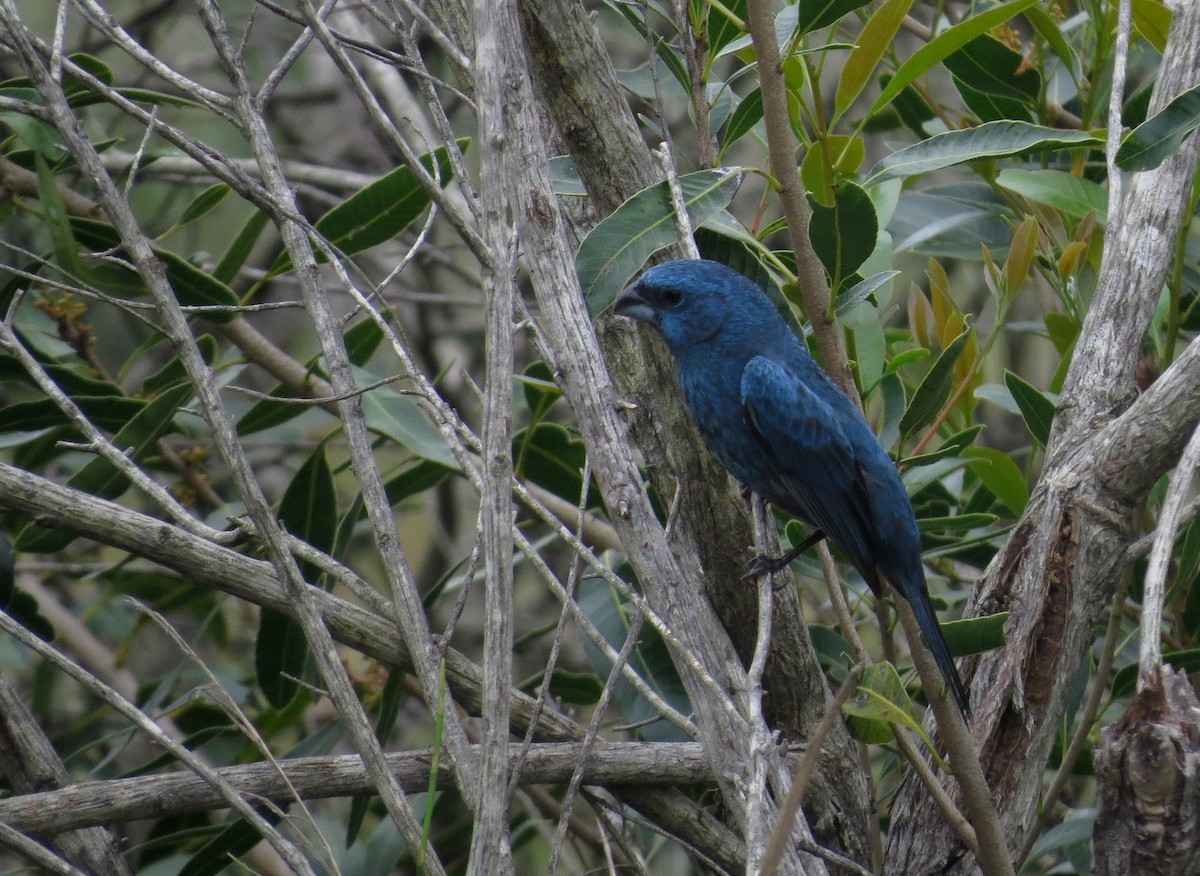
x=1148, y=771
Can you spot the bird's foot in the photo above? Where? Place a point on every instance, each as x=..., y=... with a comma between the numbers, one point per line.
x=765, y=565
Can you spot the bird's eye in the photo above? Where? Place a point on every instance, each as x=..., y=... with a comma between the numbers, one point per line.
x=672, y=297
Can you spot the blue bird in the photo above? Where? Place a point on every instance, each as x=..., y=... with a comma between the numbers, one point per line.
x=785, y=430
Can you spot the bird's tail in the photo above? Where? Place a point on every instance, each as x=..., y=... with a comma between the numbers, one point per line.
x=926, y=618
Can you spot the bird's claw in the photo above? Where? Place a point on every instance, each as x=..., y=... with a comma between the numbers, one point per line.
x=763, y=565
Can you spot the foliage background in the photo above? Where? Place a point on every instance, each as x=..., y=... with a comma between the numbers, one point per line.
x=953, y=160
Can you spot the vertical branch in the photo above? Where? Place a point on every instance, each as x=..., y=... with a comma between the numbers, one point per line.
x=1155, y=589
x=781, y=144
x=490, y=849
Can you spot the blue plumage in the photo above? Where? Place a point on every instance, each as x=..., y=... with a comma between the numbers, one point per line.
x=784, y=429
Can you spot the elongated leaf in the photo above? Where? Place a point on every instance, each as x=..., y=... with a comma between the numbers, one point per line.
x=935, y=388
x=880, y=702
x=815, y=14
x=975, y=635
x=1000, y=475
x=991, y=140
x=748, y=114
x=944, y=44
x=1047, y=28
x=308, y=510
x=192, y=286
x=397, y=417
x=100, y=477
x=1152, y=20
x=379, y=211
x=75, y=382
x=876, y=37
x=1073, y=195
x=204, y=203
x=1036, y=409
x=174, y=372
x=241, y=247
x=989, y=66
x=618, y=247
x=956, y=523
x=1149, y=144
x=862, y=290
x=106, y=411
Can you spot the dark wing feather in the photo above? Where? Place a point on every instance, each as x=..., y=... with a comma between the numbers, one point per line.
x=813, y=471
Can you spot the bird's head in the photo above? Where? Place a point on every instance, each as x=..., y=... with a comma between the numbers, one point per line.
x=692, y=301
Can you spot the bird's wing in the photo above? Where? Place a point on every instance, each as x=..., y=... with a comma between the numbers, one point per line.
x=815, y=472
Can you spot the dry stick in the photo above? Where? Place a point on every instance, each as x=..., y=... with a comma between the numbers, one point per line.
x=782, y=833
x=491, y=851
x=1155, y=589
x=993, y=857
x=781, y=146
x=756, y=809
x=132, y=713
x=36, y=853
x=589, y=742
x=119, y=801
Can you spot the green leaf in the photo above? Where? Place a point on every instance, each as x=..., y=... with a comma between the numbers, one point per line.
x=881, y=701
x=1063, y=330
x=1047, y=28
x=174, y=372
x=1153, y=21
x=192, y=286
x=935, y=388
x=650, y=659
x=576, y=688
x=861, y=291
x=1125, y=680
x=1070, y=194
x=989, y=66
x=308, y=510
x=843, y=235
x=748, y=114
x=203, y=203
x=266, y=413
x=956, y=523
x=73, y=381
x=362, y=340
x=397, y=417
x=99, y=477
x=946, y=43
x=876, y=37
x=991, y=107
x=108, y=412
x=414, y=480
x=1000, y=475
x=815, y=14
x=1151, y=142
x=379, y=211
x=547, y=455
x=976, y=634
x=1036, y=408
x=54, y=209
x=618, y=247
x=991, y=140
x=541, y=392
x=241, y=247
x=565, y=179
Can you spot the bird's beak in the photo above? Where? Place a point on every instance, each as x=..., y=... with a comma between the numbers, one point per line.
x=633, y=305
